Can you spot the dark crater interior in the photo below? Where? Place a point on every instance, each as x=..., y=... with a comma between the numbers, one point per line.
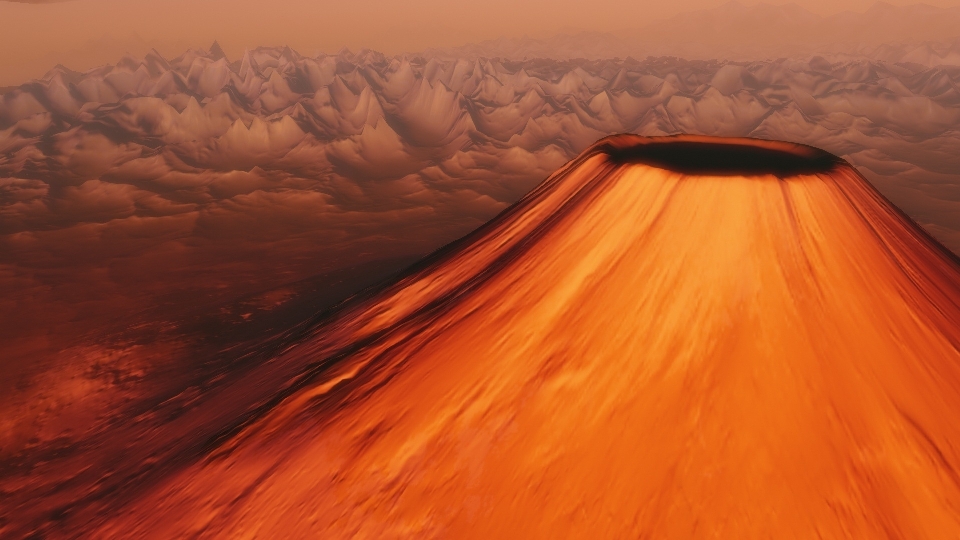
x=726, y=159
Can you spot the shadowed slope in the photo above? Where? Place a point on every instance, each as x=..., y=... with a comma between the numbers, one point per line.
x=628, y=351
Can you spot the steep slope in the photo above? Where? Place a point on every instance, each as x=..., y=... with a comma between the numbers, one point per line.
x=668, y=338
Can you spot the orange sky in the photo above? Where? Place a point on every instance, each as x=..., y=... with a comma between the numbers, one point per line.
x=85, y=33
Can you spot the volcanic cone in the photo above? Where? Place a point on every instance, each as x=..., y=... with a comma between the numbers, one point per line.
x=680, y=337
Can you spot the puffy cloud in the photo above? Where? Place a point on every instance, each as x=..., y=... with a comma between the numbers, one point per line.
x=369, y=133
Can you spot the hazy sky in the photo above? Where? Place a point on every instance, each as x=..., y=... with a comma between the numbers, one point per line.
x=84, y=33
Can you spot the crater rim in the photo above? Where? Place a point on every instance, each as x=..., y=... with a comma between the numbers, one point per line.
x=719, y=156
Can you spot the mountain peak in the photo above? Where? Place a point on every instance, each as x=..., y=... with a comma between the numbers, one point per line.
x=216, y=52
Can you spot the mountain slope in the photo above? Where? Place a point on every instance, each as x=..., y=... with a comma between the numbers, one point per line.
x=672, y=338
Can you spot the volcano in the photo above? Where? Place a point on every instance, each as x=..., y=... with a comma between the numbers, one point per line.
x=674, y=337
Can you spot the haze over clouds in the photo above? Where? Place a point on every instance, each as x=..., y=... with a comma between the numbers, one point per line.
x=81, y=34
x=916, y=33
